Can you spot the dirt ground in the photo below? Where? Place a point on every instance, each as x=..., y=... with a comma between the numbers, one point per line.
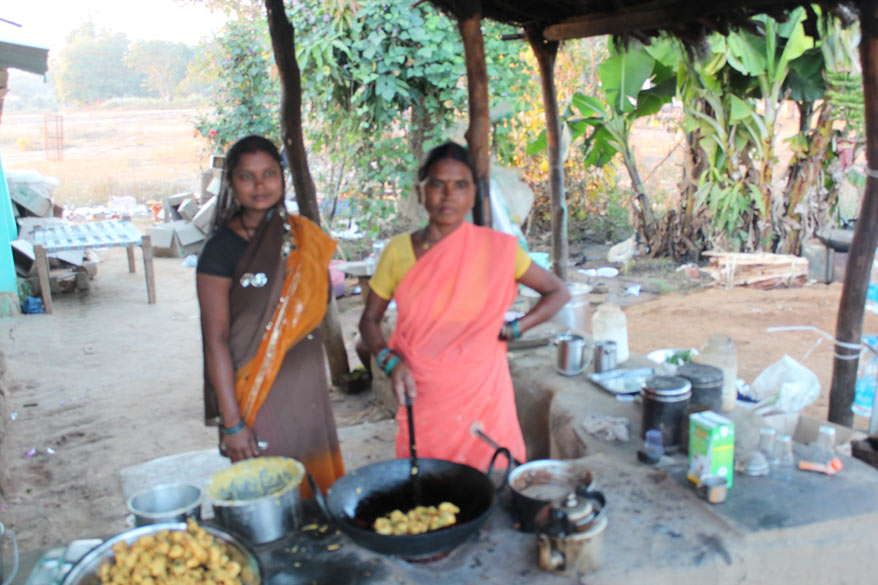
x=109, y=381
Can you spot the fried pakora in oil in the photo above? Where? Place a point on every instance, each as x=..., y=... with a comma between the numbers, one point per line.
x=418, y=520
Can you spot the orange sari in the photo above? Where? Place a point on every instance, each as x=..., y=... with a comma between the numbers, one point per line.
x=276, y=349
x=451, y=306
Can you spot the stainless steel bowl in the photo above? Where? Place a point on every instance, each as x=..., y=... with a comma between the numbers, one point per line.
x=85, y=572
x=168, y=502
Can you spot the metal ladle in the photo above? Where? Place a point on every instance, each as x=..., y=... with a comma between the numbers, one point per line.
x=413, y=452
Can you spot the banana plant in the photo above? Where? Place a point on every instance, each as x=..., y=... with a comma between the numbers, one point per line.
x=635, y=84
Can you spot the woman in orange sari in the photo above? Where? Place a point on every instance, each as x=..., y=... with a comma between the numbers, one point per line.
x=453, y=283
x=263, y=283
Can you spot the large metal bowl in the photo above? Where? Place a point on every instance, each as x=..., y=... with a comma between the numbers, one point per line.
x=85, y=572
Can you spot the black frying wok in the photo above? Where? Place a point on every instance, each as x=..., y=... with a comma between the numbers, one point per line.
x=355, y=500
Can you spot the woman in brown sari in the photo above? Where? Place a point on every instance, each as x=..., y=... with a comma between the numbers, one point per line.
x=263, y=282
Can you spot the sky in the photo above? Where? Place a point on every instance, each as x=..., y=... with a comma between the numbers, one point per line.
x=47, y=22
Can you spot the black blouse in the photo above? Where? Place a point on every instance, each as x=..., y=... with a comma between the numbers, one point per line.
x=221, y=253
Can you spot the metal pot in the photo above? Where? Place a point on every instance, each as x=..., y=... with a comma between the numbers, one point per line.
x=355, y=500
x=258, y=498
x=85, y=571
x=575, y=315
x=536, y=484
x=170, y=502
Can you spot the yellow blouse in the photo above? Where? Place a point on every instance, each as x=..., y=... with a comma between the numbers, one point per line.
x=398, y=258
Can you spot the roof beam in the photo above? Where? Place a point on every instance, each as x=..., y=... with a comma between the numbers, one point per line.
x=672, y=15
x=608, y=24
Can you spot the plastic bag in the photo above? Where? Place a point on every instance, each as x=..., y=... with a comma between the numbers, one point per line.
x=787, y=385
x=511, y=200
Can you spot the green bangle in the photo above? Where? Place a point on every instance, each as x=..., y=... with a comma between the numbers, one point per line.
x=235, y=429
x=391, y=363
x=516, y=332
x=382, y=355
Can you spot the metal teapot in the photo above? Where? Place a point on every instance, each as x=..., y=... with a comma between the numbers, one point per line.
x=569, y=533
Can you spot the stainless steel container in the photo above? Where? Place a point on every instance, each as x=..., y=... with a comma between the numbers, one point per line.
x=604, y=356
x=169, y=502
x=258, y=498
x=665, y=401
x=575, y=315
x=572, y=357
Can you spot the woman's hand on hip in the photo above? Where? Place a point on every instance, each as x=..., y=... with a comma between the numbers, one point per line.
x=241, y=445
x=403, y=382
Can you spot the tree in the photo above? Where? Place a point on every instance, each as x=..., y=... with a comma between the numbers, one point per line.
x=92, y=67
x=163, y=65
x=635, y=84
x=385, y=81
x=245, y=87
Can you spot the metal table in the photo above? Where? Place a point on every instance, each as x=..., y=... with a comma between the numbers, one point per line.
x=97, y=234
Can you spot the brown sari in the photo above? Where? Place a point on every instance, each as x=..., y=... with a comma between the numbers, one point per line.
x=275, y=343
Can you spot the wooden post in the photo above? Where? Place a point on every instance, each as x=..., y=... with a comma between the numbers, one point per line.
x=283, y=42
x=146, y=245
x=849, y=325
x=131, y=268
x=478, y=135
x=43, y=274
x=546, y=52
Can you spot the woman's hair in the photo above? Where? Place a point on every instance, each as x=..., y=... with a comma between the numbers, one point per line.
x=447, y=150
x=226, y=204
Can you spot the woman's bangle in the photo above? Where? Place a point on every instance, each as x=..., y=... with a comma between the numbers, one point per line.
x=235, y=429
x=382, y=356
x=516, y=332
x=391, y=363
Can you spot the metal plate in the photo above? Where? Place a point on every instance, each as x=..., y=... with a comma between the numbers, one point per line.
x=622, y=381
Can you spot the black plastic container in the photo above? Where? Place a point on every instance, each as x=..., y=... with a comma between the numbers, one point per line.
x=707, y=385
x=665, y=400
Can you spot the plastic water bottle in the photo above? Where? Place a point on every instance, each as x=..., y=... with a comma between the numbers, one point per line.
x=719, y=351
x=609, y=323
x=867, y=376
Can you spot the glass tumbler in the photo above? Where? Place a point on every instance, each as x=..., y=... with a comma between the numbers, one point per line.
x=826, y=442
x=783, y=462
x=766, y=441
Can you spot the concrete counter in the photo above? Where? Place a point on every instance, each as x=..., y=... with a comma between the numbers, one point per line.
x=809, y=528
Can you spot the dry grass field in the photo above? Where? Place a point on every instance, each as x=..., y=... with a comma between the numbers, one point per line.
x=147, y=154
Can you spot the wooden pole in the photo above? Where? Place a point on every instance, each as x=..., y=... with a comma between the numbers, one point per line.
x=149, y=273
x=546, y=52
x=478, y=135
x=131, y=267
x=849, y=326
x=43, y=275
x=283, y=41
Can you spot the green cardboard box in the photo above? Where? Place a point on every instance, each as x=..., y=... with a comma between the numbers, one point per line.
x=711, y=446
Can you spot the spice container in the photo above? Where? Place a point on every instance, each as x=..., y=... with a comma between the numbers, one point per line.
x=707, y=384
x=665, y=401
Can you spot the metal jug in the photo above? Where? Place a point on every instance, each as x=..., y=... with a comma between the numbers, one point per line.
x=572, y=357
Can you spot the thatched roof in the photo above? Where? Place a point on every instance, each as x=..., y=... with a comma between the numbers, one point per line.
x=688, y=19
